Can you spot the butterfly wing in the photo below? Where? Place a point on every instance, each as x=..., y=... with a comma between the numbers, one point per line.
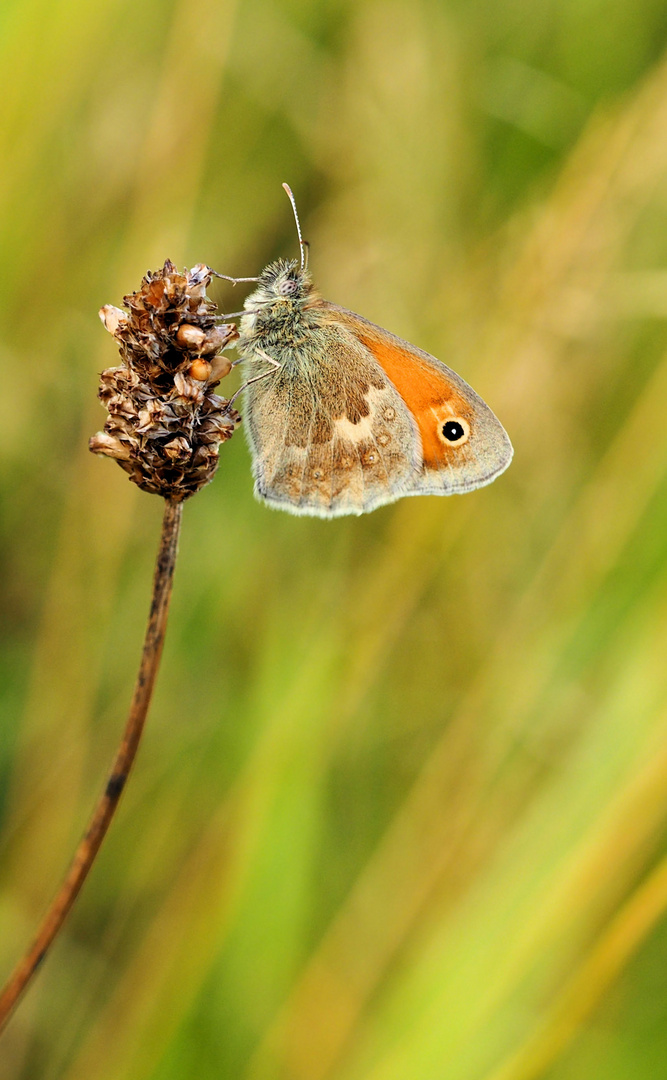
x=328, y=432
x=357, y=417
x=463, y=444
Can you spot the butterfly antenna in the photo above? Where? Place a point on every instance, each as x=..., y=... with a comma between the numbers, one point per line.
x=303, y=244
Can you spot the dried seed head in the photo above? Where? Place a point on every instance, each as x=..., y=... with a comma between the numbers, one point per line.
x=165, y=424
x=113, y=318
x=190, y=337
x=200, y=370
x=220, y=366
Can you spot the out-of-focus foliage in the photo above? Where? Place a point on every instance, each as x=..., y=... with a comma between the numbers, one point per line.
x=400, y=811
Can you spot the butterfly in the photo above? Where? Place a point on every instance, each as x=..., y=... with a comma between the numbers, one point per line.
x=344, y=416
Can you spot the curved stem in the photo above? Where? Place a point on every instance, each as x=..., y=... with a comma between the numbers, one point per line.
x=89, y=845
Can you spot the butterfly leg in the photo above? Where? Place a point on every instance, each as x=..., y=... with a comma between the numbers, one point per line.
x=275, y=366
x=234, y=280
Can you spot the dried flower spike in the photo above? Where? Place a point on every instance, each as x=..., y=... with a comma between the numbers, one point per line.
x=165, y=424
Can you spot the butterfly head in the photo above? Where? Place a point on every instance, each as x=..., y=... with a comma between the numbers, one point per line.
x=284, y=293
x=280, y=283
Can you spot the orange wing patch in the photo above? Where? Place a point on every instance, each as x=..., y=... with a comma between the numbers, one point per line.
x=429, y=395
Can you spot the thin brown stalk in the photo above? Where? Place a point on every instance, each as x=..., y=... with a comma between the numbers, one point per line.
x=91, y=841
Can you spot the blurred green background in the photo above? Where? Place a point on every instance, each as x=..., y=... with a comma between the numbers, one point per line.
x=401, y=808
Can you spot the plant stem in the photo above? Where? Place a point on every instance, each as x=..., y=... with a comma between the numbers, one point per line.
x=89, y=845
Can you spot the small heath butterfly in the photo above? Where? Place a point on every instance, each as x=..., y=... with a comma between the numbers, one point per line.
x=345, y=417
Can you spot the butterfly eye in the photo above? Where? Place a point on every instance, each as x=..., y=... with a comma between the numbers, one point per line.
x=455, y=432
x=288, y=287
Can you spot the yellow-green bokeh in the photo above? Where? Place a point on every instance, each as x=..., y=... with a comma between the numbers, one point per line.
x=400, y=810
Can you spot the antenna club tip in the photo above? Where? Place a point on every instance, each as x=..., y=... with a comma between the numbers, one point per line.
x=302, y=243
